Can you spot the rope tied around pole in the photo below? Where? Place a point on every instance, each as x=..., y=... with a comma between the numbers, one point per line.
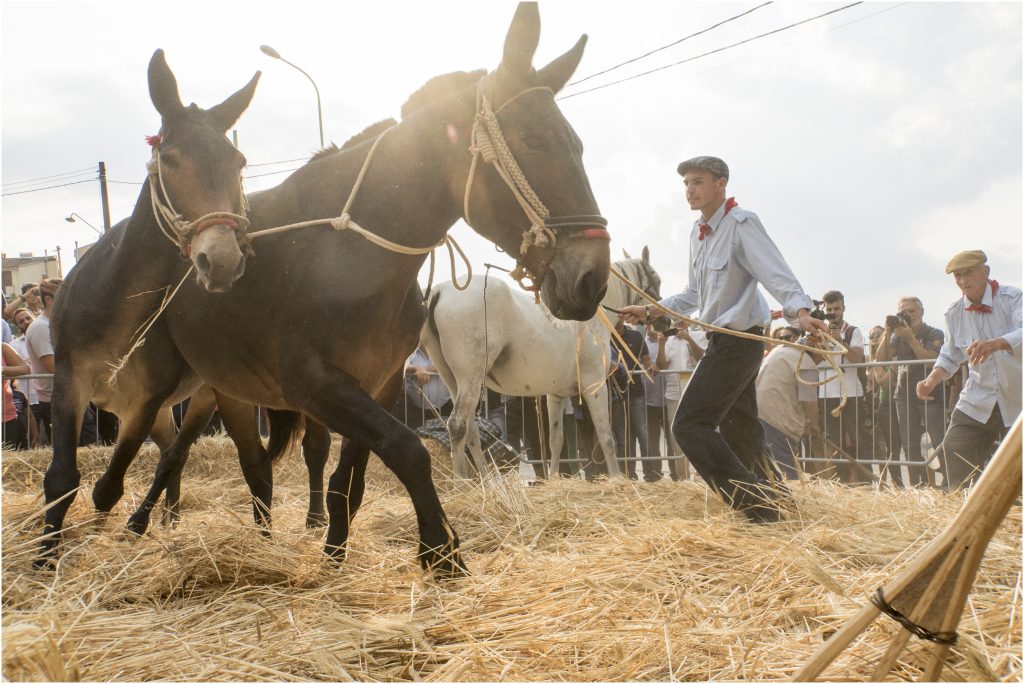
x=878, y=600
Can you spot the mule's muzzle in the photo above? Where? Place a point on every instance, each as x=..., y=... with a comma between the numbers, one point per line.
x=218, y=259
x=578, y=278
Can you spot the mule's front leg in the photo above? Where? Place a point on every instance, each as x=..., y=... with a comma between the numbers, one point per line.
x=172, y=462
x=345, y=495
x=316, y=446
x=334, y=399
x=240, y=422
x=60, y=484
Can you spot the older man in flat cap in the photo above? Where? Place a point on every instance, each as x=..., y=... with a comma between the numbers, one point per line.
x=983, y=329
x=730, y=253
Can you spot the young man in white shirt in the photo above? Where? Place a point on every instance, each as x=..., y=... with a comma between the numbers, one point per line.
x=850, y=430
x=730, y=254
x=983, y=329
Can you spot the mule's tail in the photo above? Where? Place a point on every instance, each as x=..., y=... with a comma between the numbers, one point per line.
x=286, y=429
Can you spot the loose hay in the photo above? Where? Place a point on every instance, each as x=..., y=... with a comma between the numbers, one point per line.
x=570, y=581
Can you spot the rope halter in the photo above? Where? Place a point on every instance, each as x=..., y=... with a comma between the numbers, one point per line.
x=173, y=225
x=488, y=143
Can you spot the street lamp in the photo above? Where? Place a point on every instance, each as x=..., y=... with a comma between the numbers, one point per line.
x=271, y=52
x=71, y=219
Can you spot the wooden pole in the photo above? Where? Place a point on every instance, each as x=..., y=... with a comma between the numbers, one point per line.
x=932, y=591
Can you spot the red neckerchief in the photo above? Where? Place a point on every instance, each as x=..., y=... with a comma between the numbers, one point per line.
x=984, y=308
x=704, y=228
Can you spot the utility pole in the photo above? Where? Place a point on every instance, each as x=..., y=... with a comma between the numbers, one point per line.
x=103, y=197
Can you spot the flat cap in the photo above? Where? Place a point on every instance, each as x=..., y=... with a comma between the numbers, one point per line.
x=967, y=259
x=711, y=164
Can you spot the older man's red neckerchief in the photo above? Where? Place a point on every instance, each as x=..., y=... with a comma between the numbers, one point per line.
x=984, y=308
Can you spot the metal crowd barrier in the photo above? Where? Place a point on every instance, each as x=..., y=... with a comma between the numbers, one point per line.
x=875, y=431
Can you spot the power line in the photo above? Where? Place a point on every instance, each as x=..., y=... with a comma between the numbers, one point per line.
x=51, y=187
x=711, y=52
x=271, y=173
x=664, y=47
x=283, y=161
x=51, y=177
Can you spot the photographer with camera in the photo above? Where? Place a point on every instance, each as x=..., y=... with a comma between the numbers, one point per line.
x=680, y=352
x=851, y=430
x=907, y=337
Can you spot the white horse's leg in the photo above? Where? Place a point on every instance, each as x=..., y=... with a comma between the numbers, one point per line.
x=555, y=439
x=483, y=467
x=598, y=406
x=458, y=427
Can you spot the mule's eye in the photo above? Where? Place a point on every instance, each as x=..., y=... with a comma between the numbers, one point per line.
x=171, y=161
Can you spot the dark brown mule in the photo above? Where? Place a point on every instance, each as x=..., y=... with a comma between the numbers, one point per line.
x=112, y=291
x=238, y=421
x=323, y=321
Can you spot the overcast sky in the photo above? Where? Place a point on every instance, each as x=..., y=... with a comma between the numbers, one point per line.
x=873, y=143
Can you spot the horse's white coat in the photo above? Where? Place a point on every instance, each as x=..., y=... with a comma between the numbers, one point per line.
x=528, y=353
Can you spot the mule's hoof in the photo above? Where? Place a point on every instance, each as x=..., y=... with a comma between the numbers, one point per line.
x=335, y=553
x=315, y=520
x=445, y=562
x=137, y=524
x=46, y=560
x=105, y=495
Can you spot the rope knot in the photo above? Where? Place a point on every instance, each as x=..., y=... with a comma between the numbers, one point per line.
x=538, y=235
x=482, y=143
x=342, y=222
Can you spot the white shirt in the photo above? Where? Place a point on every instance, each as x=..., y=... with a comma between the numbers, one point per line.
x=998, y=379
x=680, y=361
x=779, y=393
x=833, y=388
x=37, y=339
x=725, y=269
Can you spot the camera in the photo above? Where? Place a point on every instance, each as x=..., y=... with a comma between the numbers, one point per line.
x=662, y=324
x=671, y=332
x=817, y=312
x=897, y=321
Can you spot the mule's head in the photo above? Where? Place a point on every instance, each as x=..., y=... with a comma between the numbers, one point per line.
x=196, y=173
x=569, y=258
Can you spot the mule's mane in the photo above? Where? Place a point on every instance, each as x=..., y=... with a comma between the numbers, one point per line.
x=368, y=133
x=433, y=90
x=440, y=87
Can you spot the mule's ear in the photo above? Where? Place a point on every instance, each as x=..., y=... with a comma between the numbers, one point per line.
x=646, y=255
x=163, y=87
x=521, y=40
x=227, y=112
x=625, y=254
x=556, y=74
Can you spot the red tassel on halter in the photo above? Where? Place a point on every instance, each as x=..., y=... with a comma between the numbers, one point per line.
x=153, y=140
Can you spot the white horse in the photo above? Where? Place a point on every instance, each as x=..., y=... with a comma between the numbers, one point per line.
x=516, y=347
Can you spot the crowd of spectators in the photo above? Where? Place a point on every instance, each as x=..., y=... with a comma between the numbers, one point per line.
x=885, y=431
x=27, y=416
x=902, y=385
